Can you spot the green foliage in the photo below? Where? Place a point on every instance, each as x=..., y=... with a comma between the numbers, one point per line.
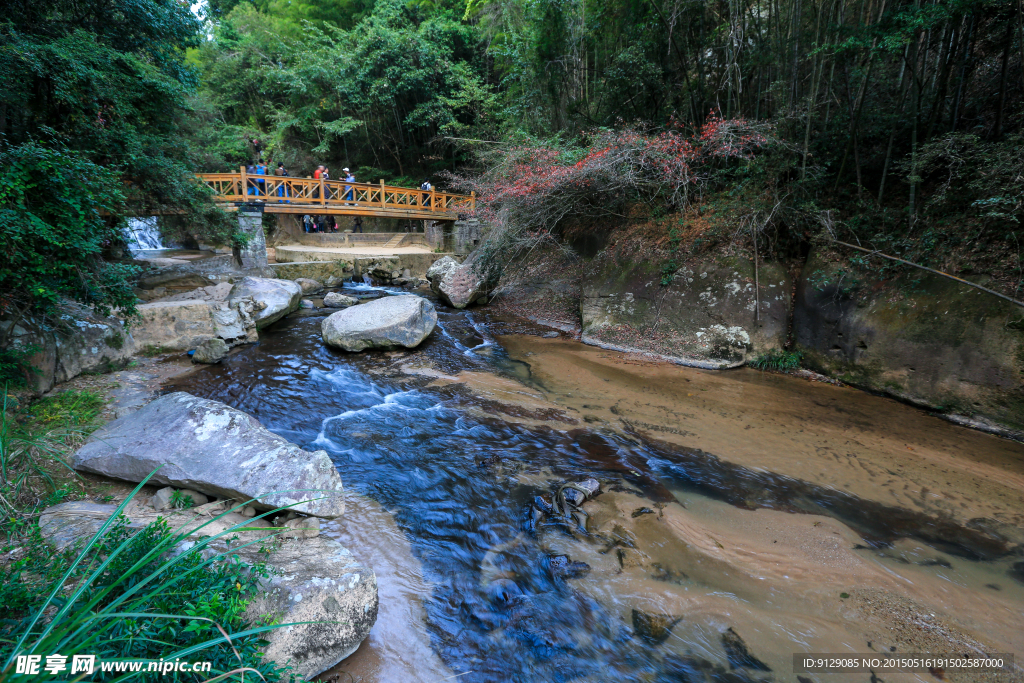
x=30, y=456
x=94, y=126
x=972, y=175
x=669, y=268
x=66, y=409
x=52, y=231
x=124, y=595
x=376, y=95
x=16, y=367
x=180, y=501
x=777, y=359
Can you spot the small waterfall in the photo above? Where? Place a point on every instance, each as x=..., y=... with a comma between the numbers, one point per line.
x=367, y=280
x=142, y=234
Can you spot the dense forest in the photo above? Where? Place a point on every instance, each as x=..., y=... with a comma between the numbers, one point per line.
x=894, y=123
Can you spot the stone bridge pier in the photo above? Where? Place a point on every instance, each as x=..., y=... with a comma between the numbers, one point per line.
x=254, y=254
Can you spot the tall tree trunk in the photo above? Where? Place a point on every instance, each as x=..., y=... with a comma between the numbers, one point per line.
x=892, y=134
x=818, y=66
x=949, y=51
x=998, y=131
x=915, y=104
x=795, y=90
x=954, y=120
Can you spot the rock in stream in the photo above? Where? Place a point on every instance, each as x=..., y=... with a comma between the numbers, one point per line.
x=212, y=448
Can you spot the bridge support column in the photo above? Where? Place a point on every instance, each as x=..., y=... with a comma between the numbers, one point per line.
x=434, y=232
x=466, y=236
x=254, y=254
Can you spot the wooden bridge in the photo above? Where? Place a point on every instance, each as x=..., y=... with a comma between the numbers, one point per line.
x=284, y=194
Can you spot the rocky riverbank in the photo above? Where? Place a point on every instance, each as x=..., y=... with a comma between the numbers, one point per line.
x=912, y=335
x=230, y=479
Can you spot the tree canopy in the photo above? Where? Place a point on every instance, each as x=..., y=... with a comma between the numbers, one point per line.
x=94, y=111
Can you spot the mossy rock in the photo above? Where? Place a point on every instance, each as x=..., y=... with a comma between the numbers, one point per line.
x=926, y=339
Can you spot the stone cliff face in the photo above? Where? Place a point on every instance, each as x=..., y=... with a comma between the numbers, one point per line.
x=73, y=341
x=709, y=311
x=921, y=338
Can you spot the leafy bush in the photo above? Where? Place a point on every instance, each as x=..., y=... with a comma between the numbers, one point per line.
x=125, y=595
x=527, y=189
x=53, y=233
x=15, y=367
x=181, y=501
x=28, y=459
x=777, y=359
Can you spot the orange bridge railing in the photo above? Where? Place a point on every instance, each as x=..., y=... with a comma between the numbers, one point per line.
x=284, y=194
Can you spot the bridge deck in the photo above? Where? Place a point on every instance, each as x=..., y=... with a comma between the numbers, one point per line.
x=283, y=194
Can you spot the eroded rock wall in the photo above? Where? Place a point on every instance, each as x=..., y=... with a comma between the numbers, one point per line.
x=919, y=337
x=74, y=340
x=708, y=310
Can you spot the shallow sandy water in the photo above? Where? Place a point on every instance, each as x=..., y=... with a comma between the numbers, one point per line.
x=398, y=647
x=456, y=439
x=872, y=447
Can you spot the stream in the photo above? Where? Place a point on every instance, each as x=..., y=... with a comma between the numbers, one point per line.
x=736, y=523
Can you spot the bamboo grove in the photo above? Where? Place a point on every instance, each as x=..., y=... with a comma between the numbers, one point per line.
x=862, y=89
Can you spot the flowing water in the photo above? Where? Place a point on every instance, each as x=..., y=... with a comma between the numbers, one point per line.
x=143, y=234
x=449, y=445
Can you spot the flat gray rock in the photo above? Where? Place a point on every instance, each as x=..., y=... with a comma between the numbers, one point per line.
x=386, y=323
x=212, y=448
x=280, y=297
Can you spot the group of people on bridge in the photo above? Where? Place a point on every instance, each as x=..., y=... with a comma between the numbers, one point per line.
x=257, y=187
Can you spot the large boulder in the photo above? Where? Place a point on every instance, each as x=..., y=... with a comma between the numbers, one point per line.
x=440, y=269
x=463, y=286
x=64, y=345
x=183, y=325
x=386, y=323
x=210, y=351
x=309, y=285
x=214, y=449
x=381, y=269
x=312, y=580
x=319, y=582
x=280, y=297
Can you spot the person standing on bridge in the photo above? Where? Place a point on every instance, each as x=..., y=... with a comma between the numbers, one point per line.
x=349, y=190
x=317, y=174
x=250, y=172
x=426, y=187
x=282, y=190
x=261, y=169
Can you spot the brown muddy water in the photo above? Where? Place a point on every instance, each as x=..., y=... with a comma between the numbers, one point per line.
x=758, y=515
